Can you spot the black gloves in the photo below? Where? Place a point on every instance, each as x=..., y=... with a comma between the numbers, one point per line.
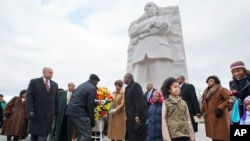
x=92, y=123
x=238, y=94
x=218, y=112
x=30, y=115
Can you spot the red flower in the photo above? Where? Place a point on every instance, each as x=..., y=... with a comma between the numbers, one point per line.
x=103, y=113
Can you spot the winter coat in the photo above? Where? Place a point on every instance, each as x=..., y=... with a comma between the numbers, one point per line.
x=2, y=107
x=176, y=120
x=82, y=103
x=135, y=105
x=3, y=104
x=117, y=120
x=212, y=99
x=188, y=94
x=242, y=86
x=154, y=122
x=44, y=105
x=62, y=99
x=15, y=122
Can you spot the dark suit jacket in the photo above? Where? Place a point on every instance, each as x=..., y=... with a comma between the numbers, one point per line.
x=146, y=95
x=44, y=104
x=188, y=94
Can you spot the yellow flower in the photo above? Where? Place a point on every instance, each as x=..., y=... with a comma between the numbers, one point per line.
x=107, y=106
x=98, y=108
x=97, y=116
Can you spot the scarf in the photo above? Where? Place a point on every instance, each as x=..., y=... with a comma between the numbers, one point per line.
x=211, y=91
x=235, y=117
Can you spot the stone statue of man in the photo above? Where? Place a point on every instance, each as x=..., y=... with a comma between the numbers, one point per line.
x=156, y=48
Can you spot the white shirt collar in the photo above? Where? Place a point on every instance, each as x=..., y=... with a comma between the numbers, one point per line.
x=181, y=85
x=68, y=92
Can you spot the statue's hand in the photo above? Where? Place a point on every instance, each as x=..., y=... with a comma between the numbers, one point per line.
x=162, y=26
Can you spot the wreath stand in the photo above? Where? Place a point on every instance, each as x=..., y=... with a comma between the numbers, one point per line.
x=99, y=126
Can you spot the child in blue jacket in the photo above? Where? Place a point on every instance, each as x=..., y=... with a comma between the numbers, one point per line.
x=154, y=132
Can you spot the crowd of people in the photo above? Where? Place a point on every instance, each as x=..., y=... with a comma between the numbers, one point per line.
x=165, y=114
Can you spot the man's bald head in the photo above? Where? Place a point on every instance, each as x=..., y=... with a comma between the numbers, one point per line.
x=150, y=86
x=47, y=73
x=128, y=77
x=180, y=79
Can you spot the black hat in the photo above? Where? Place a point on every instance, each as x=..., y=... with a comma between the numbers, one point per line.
x=94, y=77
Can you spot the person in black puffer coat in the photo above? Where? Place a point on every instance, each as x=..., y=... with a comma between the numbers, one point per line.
x=240, y=84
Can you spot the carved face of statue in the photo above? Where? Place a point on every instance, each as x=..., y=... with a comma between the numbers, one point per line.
x=150, y=9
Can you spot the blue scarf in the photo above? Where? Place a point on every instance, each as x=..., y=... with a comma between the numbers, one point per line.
x=235, y=117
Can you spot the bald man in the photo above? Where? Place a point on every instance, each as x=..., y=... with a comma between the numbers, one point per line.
x=64, y=129
x=135, y=108
x=41, y=105
x=148, y=93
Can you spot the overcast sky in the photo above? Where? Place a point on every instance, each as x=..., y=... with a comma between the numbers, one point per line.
x=80, y=37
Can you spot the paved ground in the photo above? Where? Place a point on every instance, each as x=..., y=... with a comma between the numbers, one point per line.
x=200, y=136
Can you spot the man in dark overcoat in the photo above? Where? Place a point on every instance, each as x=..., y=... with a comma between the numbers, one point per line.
x=41, y=105
x=135, y=108
x=188, y=94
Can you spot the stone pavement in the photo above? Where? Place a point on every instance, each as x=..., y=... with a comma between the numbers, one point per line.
x=200, y=136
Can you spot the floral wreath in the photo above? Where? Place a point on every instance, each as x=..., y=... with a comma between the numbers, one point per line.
x=104, y=101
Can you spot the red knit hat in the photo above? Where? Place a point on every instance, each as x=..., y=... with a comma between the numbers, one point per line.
x=237, y=64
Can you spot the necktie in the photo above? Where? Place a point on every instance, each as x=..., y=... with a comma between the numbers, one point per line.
x=47, y=85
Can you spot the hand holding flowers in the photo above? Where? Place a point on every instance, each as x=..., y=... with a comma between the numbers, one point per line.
x=112, y=111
